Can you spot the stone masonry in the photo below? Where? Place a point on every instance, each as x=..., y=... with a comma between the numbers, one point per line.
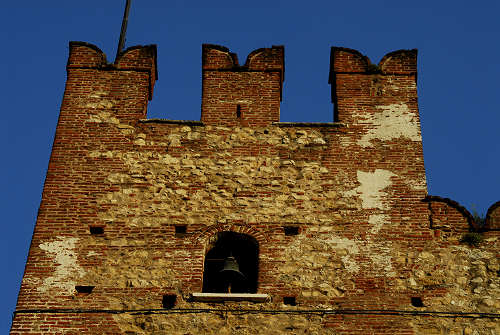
x=131, y=206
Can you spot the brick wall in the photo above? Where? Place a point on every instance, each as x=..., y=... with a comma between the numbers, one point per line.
x=247, y=95
x=493, y=217
x=368, y=236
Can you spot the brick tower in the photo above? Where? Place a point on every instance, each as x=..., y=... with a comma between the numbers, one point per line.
x=242, y=224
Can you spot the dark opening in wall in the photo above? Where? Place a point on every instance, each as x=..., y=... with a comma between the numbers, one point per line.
x=289, y=301
x=84, y=290
x=417, y=302
x=180, y=230
x=231, y=264
x=168, y=301
x=291, y=230
x=238, y=111
x=96, y=230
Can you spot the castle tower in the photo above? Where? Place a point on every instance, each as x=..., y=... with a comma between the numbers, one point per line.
x=242, y=224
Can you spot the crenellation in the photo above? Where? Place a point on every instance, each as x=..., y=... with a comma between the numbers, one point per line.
x=400, y=62
x=248, y=95
x=493, y=217
x=82, y=54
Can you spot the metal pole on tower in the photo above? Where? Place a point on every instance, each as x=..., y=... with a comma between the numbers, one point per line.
x=123, y=31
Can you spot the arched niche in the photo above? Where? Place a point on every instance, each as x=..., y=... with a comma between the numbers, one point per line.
x=245, y=250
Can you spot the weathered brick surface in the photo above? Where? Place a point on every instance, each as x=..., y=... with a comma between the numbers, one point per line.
x=493, y=217
x=247, y=95
x=447, y=215
x=369, y=237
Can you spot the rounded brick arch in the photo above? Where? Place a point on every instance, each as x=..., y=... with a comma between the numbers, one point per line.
x=493, y=217
x=449, y=213
x=204, y=236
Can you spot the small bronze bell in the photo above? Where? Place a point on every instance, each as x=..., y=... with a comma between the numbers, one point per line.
x=231, y=273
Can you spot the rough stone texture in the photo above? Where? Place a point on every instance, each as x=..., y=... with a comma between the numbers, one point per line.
x=369, y=240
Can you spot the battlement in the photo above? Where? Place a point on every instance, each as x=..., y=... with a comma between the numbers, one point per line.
x=250, y=94
x=399, y=62
x=216, y=57
x=247, y=95
x=84, y=55
x=358, y=85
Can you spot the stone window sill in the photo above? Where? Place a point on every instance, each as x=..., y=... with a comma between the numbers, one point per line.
x=222, y=297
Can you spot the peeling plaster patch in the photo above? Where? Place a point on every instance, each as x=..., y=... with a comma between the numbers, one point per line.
x=344, y=243
x=352, y=249
x=377, y=220
x=394, y=121
x=370, y=190
x=381, y=260
x=66, y=262
x=384, y=262
x=350, y=264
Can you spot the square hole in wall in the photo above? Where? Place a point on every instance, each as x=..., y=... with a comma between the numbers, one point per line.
x=289, y=301
x=417, y=302
x=168, y=301
x=180, y=230
x=291, y=230
x=83, y=290
x=96, y=230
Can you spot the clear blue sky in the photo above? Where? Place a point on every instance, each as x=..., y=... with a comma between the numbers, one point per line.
x=458, y=81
